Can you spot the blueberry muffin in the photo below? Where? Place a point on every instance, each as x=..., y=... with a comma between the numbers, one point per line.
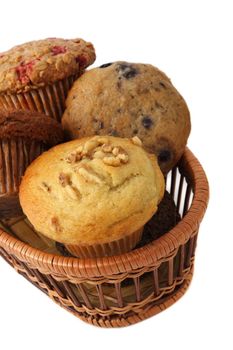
x=24, y=135
x=94, y=194
x=38, y=75
x=127, y=99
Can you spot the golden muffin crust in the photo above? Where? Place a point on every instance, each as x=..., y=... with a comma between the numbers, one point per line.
x=127, y=99
x=92, y=190
x=38, y=63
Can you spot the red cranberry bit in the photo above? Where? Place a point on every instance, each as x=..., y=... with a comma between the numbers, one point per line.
x=81, y=59
x=23, y=70
x=57, y=50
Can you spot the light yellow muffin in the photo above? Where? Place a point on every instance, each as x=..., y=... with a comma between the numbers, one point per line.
x=92, y=191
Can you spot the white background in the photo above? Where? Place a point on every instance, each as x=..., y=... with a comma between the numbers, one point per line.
x=192, y=42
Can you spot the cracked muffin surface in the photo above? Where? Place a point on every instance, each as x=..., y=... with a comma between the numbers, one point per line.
x=92, y=190
x=127, y=99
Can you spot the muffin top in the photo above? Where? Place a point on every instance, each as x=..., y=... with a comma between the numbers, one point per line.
x=92, y=190
x=127, y=99
x=32, y=125
x=41, y=62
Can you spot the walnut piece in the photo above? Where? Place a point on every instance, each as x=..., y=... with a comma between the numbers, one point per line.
x=89, y=175
x=73, y=158
x=123, y=157
x=136, y=141
x=115, y=151
x=79, y=149
x=64, y=179
x=90, y=145
x=112, y=161
x=55, y=224
x=99, y=154
x=106, y=148
x=98, y=148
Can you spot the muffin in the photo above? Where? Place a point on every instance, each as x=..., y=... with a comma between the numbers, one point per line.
x=127, y=99
x=165, y=218
x=94, y=194
x=24, y=135
x=38, y=75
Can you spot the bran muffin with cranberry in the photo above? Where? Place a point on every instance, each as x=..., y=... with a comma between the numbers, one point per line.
x=127, y=99
x=38, y=75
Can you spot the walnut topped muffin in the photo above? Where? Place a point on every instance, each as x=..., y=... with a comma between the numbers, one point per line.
x=38, y=75
x=127, y=99
x=92, y=191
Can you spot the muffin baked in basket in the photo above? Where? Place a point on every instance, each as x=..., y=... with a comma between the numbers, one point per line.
x=94, y=194
x=127, y=99
x=38, y=75
x=24, y=135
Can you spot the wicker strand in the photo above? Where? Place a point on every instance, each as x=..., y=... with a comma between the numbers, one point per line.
x=103, y=311
x=137, y=307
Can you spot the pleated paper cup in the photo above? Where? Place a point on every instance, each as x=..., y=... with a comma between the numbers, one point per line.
x=49, y=99
x=15, y=156
x=123, y=245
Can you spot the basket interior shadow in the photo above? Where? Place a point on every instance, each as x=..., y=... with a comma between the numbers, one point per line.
x=125, y=289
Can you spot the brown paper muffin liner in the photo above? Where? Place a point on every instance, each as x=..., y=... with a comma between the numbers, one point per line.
x=15, y=155
x=49, y=99
x=116, y=247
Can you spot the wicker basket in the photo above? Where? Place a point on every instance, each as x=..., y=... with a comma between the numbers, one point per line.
x=120, y=290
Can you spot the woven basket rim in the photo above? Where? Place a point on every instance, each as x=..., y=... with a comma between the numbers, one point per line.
x=148, y=255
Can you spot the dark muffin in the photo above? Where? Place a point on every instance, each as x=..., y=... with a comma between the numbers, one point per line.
x=24, y=135
x=164, y=220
